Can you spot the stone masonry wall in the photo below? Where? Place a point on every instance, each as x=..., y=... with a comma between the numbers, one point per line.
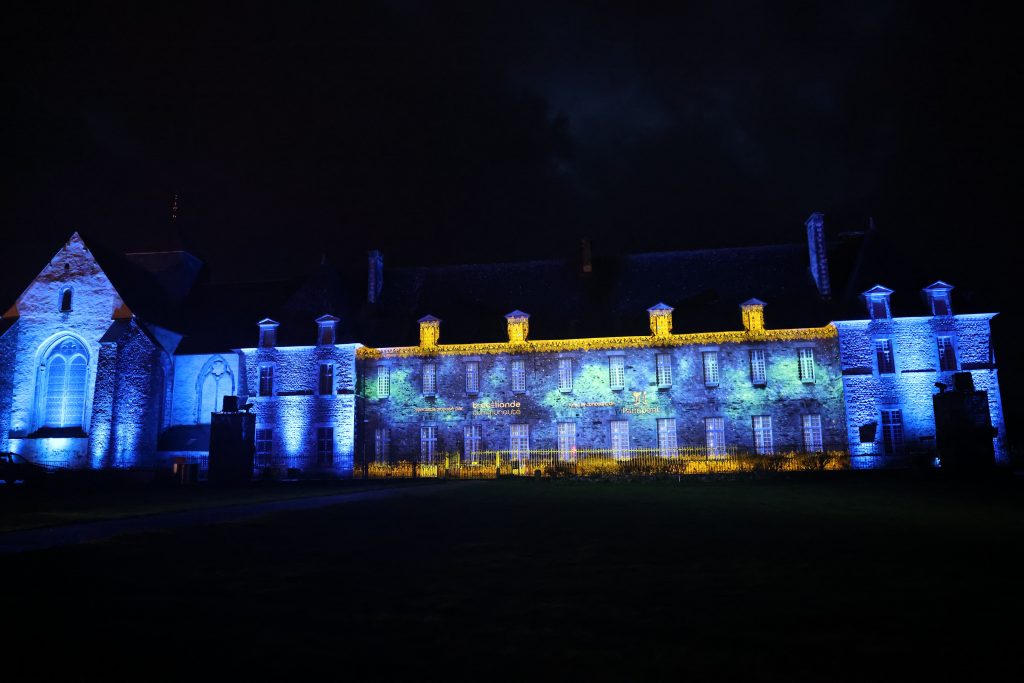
x=295, y=411
x=542, y=406
x=910, y=387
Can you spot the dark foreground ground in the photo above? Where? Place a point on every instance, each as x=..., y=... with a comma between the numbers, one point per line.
x=850, y=576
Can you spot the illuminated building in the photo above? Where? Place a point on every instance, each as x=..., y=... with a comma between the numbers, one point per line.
x=100, y=370
x=114, y=361
x=891, y=366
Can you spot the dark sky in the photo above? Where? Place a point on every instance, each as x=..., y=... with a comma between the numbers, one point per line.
x=476, y=131
x=469, y=131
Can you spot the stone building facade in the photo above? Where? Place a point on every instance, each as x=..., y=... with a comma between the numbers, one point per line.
x=111, y=360
x=753, y=389
x=83, y=377
x=892, y=365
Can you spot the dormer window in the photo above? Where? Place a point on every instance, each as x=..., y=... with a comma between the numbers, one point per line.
x=268, y=333
x=65, y=300
x=661, y=320
x=937, y=295
x=877, y=299
x=326, y=325
x=430, y=331
x=518, y=327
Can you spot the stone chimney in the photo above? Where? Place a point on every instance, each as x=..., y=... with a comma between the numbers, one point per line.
x=661, y=319
x=518, y=327
x=430, y=331
x=818, y=252
x=375, y=277
x=753, y=316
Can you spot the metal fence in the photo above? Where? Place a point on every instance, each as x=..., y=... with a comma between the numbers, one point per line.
x=605, y=462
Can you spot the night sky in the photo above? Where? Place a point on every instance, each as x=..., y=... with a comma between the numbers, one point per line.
x=471, y=131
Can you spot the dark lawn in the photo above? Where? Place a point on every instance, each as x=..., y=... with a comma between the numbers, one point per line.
x=837, y=577
x=74, y=500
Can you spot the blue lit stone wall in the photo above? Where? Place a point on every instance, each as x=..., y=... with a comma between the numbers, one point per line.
x=8, y=351
x=295, y=411
x=189, y=381
x=138, y=395
x=95, y=305
x=911, y=387
x=543, y=405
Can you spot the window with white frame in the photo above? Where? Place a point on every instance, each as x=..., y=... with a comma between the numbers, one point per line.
x=429, y=379
x=947, y=354
x=710, y=368
x=518, y=375
x=812, y=433
x=472, y=377
x=325, y=383
x=565, y=375
x=620, y=439
x=264, y=446
x=758, y=368
x=805, y=365
x=892, y=431
x=883, y=353
x=381, y=444
x=519, y=441
x=383, y=381
x=325, y=446
x=762, y=434
x=663, y=369
x=566, y=440
x=471, y=440
x=667, y=444
x=617, y=372
x=714, y=435
x=66, y=374
x=428, y=443
x=266, y=380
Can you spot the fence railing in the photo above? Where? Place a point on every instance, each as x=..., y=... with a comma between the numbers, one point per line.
x=604, y=462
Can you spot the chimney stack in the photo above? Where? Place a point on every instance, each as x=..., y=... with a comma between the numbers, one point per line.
x=818, y=253
x=375, y=278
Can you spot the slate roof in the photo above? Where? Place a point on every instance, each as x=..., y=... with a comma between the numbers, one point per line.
x=881, y=262
x=140, y=289
x=704, y=287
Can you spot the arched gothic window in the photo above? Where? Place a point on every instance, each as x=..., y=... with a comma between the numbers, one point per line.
x=214, y=383
x=65, y=371
x=65, y=300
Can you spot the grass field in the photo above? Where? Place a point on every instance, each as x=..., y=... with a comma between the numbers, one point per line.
x=76, y=501
x=831, y=576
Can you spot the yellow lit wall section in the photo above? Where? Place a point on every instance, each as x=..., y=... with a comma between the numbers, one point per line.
x=603, y=343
